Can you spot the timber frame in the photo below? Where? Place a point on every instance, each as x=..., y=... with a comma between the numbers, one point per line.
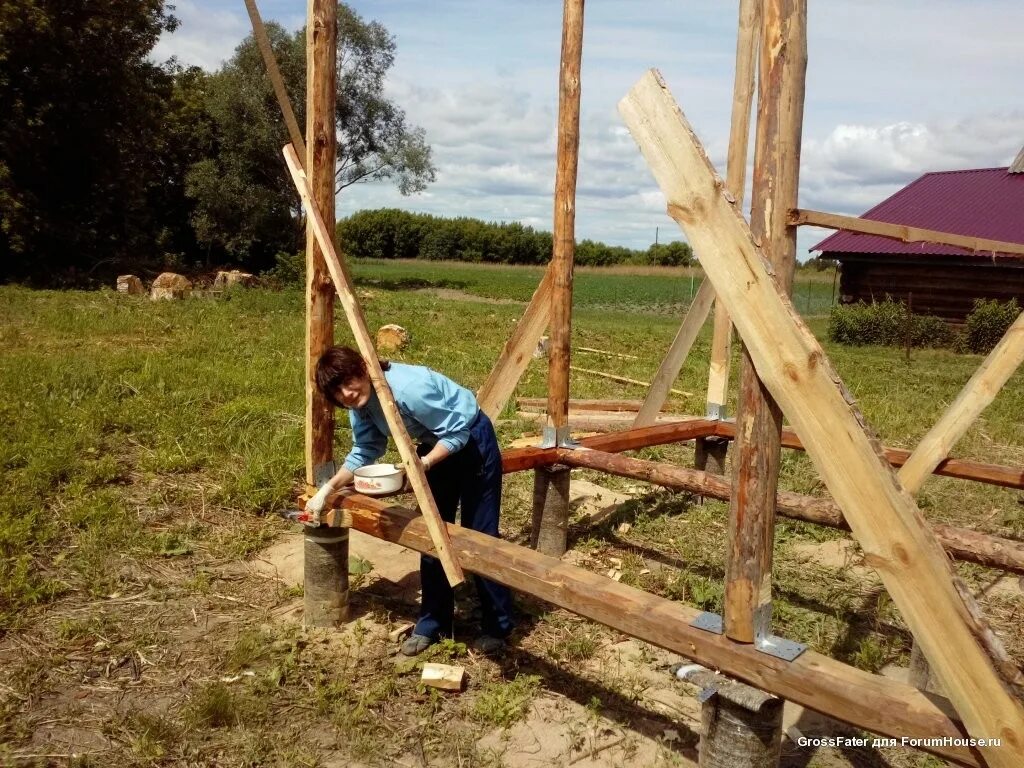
x=748, y=267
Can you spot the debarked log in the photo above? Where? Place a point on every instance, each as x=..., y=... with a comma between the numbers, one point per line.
x=961, y=543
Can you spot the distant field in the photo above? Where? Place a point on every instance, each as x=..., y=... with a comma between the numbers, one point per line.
x=648, y=289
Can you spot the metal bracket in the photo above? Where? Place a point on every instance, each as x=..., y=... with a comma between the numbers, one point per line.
x=779, y=647
x=716, y=412
x=773, y=645
x=324, y=472
x=558, y=438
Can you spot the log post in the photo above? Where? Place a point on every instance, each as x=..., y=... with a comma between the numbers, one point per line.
x=735, y=736
x=783, y=62
x=325, y=573
x=557, y=431
x=736, y=171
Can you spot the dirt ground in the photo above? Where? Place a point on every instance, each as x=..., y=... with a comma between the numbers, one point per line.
x=207, y=663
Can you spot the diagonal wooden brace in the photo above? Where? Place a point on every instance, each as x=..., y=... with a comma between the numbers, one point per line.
x=354, y=313
x=791, y=363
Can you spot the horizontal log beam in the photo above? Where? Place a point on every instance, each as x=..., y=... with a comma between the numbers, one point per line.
x=903, y=232
x=961, y=543
x=992, y=474
x=815, y=681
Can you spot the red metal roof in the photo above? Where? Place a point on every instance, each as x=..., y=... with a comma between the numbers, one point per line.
x=988, y=202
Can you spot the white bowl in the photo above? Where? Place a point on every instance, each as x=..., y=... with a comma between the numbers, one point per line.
x=379, y=479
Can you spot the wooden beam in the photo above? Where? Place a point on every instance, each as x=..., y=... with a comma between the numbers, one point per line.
x=325, y=559
x=885, y=521
x=780, y=107
x=992, y=474
x=320, y=161
x=681, y=345
x=598, y=421
x=749, y=31
x=867, y=701
x=354, y=313
x=518, y=351
x=975, y=397
x=961, y=543
x=903, y=232
x=274, y=72
x=567, y=161
x=519, y=459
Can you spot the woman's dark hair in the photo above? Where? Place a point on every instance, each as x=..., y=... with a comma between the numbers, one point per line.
x=338, y=366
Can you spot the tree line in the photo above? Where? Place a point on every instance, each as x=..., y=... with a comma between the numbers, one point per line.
x=389, y=233
x=110, y=161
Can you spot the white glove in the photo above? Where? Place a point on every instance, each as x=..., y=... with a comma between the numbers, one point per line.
x=318, y=501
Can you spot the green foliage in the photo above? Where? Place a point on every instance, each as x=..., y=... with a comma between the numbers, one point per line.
x=987, y=323
x=887, y=323
x=502, y=704
x=245, y=203
x=82, y=163
x=389, y=233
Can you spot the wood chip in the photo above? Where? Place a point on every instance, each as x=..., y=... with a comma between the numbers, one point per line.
x=400, y=631
x=443, y=676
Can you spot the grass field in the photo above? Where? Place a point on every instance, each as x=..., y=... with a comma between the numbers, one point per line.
x=146, y=447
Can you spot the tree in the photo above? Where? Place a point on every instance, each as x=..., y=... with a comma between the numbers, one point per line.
x=83, y=107
x=245, y=206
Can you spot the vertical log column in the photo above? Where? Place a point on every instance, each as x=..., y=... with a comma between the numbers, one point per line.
x=551, y=514
x=326, y=550
x=735, y=182
x=783, y=63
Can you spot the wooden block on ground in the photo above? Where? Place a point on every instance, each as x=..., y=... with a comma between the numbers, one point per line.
x=443, y=676
x=400, y=631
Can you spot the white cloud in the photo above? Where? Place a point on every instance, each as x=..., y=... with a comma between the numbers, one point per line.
x=205, y=37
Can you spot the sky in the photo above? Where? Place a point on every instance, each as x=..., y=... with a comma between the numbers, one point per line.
x=895, y=88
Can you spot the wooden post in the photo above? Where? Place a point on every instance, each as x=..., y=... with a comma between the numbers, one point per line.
x=736, y=171
x=976, y=395
x=669, y=369
x=553, y=514
x=793, y=366
x=783, y=63
x=325, y=570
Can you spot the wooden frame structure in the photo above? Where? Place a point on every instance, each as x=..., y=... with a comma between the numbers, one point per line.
x=748, y=269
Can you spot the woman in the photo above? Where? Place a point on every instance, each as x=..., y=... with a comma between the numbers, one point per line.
x=460, y=456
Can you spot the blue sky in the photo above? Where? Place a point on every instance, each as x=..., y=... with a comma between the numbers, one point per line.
x=894, y=89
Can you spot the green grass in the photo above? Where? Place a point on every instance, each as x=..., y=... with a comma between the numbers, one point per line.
x=128, y=423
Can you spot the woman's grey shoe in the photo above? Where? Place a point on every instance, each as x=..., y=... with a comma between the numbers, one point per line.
x=414, y=645
x=488, y=645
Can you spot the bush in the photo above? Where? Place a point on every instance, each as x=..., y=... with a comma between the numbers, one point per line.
x=987, y=323
x=886, y=323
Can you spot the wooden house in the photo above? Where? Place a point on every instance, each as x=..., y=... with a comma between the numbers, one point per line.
x=935, y=279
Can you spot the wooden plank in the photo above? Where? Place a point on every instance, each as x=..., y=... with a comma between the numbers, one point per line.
x=599, y=421
x=539, y=403
x=903, y=232
x=751, y=534
x=791, y=363
x=444, y=677
x=567, y=161
x=992, y=474
x=626, y=379
x=274, y=72
x=976, y=395
x=518, y=351
x=354, y=313
x=681, y=345
x=736, y=170
x=867, y=701
x=320, y=161
x=961, y=543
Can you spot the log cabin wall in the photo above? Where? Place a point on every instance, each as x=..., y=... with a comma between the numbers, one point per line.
x=945, y=287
